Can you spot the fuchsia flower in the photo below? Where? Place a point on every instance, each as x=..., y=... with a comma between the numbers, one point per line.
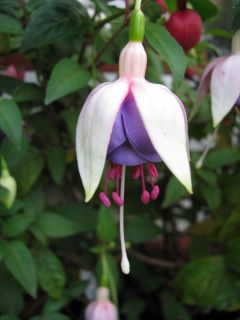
x=222, y=76
x=102, y=308
x=131, y=122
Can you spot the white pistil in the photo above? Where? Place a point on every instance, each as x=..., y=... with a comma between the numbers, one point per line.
x=124, y=263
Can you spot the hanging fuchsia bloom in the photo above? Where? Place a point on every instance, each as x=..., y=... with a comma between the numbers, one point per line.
x=222, y=76
x=102, y=308
x=131, y=122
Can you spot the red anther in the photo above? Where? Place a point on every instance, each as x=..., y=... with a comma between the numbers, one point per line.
x=152, y=170
x=105, y=200
x=136, y=173
x=155, y=192
x=112, y=173
x=145, y=197
x=117, y=199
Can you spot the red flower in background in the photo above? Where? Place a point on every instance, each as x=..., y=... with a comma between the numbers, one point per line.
x=186, y=27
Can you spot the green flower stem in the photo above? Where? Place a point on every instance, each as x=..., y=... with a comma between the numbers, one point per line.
x=106, y=273
x=138, y=4
x=137, y=23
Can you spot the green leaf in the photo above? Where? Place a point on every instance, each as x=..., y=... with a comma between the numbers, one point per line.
x=106, y=225
x=212, y=194
x=2, y=249
x=51, y=316
x=16, y=225
x=28, y=171
x=173, y=309
x=168, y=48
x=27, y=92
x=74, y=291
x=11, y=295
x=12, y=154
x=9, y=84
x=230, y=227
x=56, y=226
x=233, y=255
x=9, y=25
x=56, y=163
x=33, y=5
x=7, y=317
x=174, y=192
x=236, y=14
x=67, y=77
x=222, y=157
x=71, y=116
x=207, y=176
x=19, y=262
x=53, y=21
x=205, y=282
x=82, y=216
x=11, y=121
x=133, y=308
x=140, y=229
x=205, y=8
x=50, y=272
x=10, y=7
x=3, y=192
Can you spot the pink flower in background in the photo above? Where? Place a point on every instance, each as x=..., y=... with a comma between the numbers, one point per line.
x=102, y=308
x=222, y=77
x=11, y=71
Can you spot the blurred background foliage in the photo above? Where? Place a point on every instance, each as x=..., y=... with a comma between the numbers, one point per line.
x=184, y=250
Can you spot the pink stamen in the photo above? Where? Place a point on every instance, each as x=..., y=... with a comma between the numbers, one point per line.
x=155, y=189
x=115, y=195
x=155, y=192
x=105, y=200
x=117, y=199
x=136, y=173
x=152, y=170
x=107, y=178
x=113, y=173
x=119, y=172
x=145, y=197
x=142, y=178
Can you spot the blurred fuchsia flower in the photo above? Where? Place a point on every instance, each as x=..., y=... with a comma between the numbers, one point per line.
x=131, y=122
x=11, y=71
x=222, y=76
x=162, y=5
x=102, y=308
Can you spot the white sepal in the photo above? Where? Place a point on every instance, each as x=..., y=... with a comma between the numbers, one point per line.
x=225, y=87
x=164, y=121
x=94, y=130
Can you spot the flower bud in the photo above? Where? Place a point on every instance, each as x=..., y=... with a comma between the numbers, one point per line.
x=102, y=308
x=186, y=27
x=9, y=183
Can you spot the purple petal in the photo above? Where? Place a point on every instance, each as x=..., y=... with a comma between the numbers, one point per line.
x=125, y=155
x=118, y=136
x=135, y=130
x=129, y=143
